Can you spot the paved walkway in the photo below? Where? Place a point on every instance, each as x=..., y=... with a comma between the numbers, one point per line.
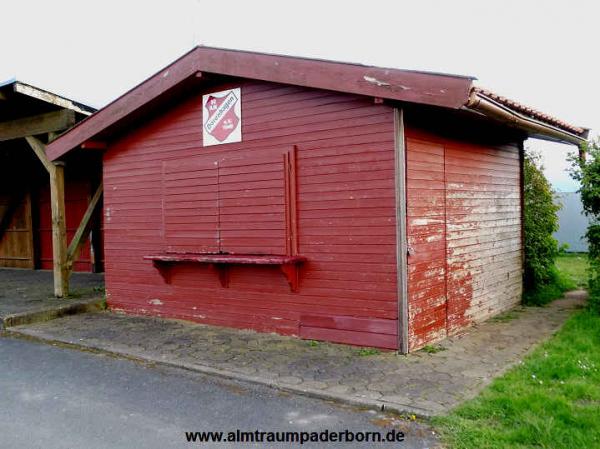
x=27, y=296
x=423, y=383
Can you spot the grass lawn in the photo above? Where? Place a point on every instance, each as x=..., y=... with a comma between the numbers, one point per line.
x=571, y=274
x=575, y=266
x=551, y=400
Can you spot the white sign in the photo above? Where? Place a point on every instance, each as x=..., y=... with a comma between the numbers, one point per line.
x=222, y=117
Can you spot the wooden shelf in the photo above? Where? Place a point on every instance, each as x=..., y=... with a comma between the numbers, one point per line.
x=221, y=263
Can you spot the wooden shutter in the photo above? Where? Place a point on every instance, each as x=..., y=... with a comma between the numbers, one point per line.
x=190, y=205
x=243, y=204
x=252, y=205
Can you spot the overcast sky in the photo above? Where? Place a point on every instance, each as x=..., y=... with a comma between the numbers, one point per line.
x=542, y=53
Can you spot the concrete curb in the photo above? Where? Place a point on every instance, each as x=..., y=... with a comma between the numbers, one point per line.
x=231, y=375
x=51, y=313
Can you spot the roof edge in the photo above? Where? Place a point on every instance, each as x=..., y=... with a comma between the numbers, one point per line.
x=441, y=90
x=394, y=84
x=47, y=96
x=160, y=82
x=349, y=63
x=534, y=122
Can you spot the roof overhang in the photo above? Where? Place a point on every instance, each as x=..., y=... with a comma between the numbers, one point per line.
x=45, y=96
x=433, y=89
x=449, y=91
x=26, y=110
x=509, y=112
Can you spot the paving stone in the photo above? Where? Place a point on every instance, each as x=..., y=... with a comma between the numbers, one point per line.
x=25, y=291
x=292, y=380
x=398, y=399
x=427, y=383
x=480, y=373
x=314, y=385
x=340, y=389
x=26, y=296
x=433, y=406
x=369, y=394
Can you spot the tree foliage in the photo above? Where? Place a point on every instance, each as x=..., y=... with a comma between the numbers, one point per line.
x=540, y=222
x=587, y=172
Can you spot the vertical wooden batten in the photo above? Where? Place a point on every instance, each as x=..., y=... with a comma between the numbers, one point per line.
x=522, y=200
x=401, y=241
x=291, y=213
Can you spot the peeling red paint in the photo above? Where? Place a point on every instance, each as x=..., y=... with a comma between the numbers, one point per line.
x=463, y=214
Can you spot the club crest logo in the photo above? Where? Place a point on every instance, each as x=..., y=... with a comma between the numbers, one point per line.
x=222, y=117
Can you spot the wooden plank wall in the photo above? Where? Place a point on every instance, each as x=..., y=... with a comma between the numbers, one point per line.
x=16, y=243
x=346, y=214
x=463, y=210
x=215, y=203
x=426, y=229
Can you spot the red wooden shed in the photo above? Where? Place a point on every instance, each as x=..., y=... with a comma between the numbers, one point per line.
x=330, y=201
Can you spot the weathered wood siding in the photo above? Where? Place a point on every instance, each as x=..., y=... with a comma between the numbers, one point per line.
x=159, y=195
x=16, y=234
x=464, y=232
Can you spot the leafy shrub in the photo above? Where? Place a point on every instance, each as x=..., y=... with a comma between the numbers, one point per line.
x=593, y=237
x=540, y=222
x=594, y=291
x=557, y=284
x=587, y=172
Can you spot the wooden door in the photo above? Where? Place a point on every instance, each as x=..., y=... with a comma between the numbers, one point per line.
x=16, y=231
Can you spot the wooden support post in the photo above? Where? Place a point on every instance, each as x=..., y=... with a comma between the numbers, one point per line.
x=59, y=231
x=83, y=230
x=59, y=226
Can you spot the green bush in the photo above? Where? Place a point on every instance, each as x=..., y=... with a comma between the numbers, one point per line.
x=593, y=237
x=558, y=283
x=540, y=222
x=594, y=293
x=587, y=172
